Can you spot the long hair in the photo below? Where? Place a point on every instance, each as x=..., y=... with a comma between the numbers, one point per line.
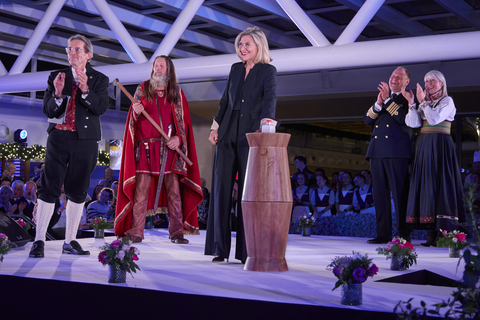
x=437, y=75
x=171, y=86
x=263, y=53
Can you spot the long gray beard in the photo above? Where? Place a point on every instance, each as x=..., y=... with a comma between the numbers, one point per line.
x=158, y=81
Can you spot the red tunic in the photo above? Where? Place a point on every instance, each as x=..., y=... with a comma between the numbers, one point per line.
x=190, y=188
x=145, y=132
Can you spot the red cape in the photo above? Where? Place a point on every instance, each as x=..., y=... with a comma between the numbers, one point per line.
x=189, y=175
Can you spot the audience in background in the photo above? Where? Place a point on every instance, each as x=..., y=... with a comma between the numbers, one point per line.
x=301, y=165
x=344, y=197
x=17, y=187
x=363, y=199
x=301, y=202
x=322, y=197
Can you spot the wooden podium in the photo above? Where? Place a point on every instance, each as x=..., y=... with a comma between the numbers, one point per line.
x=267, y=202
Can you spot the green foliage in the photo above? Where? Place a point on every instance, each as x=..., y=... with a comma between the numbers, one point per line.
x=465, y=301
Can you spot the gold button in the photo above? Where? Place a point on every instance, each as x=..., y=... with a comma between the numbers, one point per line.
x=375, y=137
x=386, y=137
x=243, y=100
x=388, y=125
x=376, y=126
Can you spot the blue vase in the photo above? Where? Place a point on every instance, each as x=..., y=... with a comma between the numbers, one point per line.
x=351, y=294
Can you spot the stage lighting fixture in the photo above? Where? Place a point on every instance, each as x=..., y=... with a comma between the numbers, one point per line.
x=20, y=136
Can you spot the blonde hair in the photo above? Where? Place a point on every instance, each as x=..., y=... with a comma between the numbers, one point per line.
x=263, y=53
x=437, y=75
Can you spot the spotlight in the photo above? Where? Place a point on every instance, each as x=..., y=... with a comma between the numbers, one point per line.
x=20, y=137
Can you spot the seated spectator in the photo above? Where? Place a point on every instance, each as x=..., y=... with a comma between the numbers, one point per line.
x=9, y=172
x=17, y=187
x=6, y=194
x=101, y=207
x=363, y=199
x=301, y=165
x=29, y=198
x=344, y=197
x=368, y=176
x=322, y=198
x=301, y=201
x=6, y=182
x=109, y=177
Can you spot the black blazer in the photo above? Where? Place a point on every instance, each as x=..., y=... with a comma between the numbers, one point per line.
x=391, y=137
x=88, y=111
x=259, y=98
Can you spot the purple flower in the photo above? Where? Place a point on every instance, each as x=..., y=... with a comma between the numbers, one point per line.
x=3, y=236
x=116, y=244
x=359, y=274
x=337, y=271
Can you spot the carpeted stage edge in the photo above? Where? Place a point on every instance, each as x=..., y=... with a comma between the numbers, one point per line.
x=29, y=298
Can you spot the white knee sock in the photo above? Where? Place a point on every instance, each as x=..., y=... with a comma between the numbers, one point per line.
x=74, y=214
x=44, y=215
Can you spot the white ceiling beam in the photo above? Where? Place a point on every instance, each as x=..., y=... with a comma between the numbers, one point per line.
x=359, y=22
x=177, y=29
x=3, y=70
x=120, y=32
x=138, y=20
x=359, y=54
x=37, y=36
x=392, y=18
x=304, y=23
x=217, y=18
x=79, y=27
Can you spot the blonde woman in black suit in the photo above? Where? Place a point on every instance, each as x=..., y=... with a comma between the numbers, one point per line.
x=248, y=100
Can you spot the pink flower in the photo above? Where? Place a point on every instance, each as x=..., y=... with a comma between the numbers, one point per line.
x=135, y=258
x=20, y=222
x=395, y=241
x=372, y=271
x=460, y=236
x=101, y=257
x=402, y=246
x=116, y=244
x=96, y=220
x=408, y=244
x=3, y=236
x=389, y=246
x=444, y=231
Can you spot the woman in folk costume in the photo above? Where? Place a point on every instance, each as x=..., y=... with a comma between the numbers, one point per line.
x=144, y=152
x=436, y=192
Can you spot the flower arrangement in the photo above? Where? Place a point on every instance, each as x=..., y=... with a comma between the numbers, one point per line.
x=120, y=253
x=306, y=221
x=25, y=225
x=401, y=248
x=100, y=223
x=352, y=269
x=5, y=246
x=453, y=239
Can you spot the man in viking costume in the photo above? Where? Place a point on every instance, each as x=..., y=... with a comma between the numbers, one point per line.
x=153, y=175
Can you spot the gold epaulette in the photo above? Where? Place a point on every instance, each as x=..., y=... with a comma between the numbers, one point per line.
x=393, y=109
x=372, y=114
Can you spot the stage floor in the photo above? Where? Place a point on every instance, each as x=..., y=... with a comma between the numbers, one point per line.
x=185, y=269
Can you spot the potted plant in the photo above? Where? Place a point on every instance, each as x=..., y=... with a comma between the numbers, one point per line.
x=351, y=272
x=401, y=252
x=99, y=225
x=305, y=224
x=5, y=246
x=454, y=240
x=120, y=257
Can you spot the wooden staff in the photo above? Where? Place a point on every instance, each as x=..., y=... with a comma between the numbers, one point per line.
x=146, y=115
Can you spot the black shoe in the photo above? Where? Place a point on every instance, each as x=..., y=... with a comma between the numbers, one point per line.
x=218, y=259
x=180, y=240
x=37, y=249
x=379, y=240
x=74, y=248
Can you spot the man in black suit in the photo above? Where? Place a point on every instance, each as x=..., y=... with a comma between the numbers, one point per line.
x=29, y=198
x=390, y=152
x=75, y=99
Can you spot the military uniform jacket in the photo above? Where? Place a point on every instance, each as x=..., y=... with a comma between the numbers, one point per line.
x=391, y=137
x=88, y=110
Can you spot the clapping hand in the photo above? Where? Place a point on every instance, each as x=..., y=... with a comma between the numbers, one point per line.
x=420, y=93
x=383, y=94
x=59, y=83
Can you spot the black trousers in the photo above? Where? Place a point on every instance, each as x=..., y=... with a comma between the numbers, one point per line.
x=390, y=175
x=68, y=162
x=231, y=155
